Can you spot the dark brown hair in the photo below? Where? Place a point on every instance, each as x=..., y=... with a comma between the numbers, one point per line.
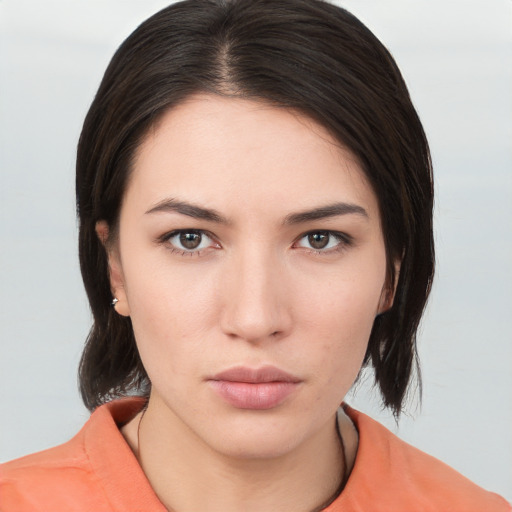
x=306, y=55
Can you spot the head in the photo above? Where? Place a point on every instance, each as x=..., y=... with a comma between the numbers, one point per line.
x=304, y=58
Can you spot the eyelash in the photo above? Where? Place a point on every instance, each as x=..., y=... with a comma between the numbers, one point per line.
x=165, y=239
x=343, y=242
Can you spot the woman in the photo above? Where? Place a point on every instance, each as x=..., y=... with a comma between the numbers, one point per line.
x=255, y=197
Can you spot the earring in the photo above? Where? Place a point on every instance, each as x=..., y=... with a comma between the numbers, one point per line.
x=114, y=302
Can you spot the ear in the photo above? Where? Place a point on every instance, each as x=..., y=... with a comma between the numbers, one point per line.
x=387, y=295
x=115, y=269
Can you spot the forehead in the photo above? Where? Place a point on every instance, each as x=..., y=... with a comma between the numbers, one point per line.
x=214, y=150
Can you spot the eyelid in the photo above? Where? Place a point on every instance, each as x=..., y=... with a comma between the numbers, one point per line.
x=165, y=239
x=344, y=241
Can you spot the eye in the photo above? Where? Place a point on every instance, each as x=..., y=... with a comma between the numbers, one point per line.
x=323, y=241
x=189, y=240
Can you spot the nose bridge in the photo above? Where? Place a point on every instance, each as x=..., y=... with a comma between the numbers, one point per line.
x=254, y=298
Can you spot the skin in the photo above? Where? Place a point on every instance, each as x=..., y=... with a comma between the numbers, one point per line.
x=256, y=293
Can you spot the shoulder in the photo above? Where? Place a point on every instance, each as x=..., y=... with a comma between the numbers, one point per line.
x=76, y=475
x=390, y=472
x=44, y=480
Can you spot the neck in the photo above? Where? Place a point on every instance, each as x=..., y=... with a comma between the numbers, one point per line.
x=188, y=475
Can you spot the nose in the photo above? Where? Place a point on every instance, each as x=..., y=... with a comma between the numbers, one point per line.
x=256, y=305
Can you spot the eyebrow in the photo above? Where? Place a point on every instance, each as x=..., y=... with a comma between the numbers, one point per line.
x=188, y=209
x=198, y=212
x=323, y=212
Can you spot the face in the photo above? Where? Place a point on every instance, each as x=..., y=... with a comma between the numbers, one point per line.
x=251, y=261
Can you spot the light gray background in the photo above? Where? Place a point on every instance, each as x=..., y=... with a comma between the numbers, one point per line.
x=456, y=58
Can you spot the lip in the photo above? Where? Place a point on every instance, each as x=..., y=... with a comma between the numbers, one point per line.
x=254, y=388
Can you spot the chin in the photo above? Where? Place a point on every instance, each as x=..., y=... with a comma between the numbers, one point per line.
x=257, y=447
x=256, y=436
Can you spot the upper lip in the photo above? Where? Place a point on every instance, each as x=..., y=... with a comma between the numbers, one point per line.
x=255, y=375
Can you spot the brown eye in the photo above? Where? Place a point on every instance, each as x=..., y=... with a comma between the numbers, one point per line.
x=190, y=240
x=324, y=242
x=319, y=239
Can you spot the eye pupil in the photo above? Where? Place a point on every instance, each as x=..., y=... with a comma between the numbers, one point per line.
x=318, y=240
x=190, y=240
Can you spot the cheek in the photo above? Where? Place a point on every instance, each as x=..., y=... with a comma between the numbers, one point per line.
x=171, y=313
x=337, y=318
x=343, y=331
x=176, y=317
x=346, y=296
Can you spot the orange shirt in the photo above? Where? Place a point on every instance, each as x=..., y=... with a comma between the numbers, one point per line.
x=96, y=471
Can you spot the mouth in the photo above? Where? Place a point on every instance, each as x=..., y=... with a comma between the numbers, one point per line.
x=256, y=389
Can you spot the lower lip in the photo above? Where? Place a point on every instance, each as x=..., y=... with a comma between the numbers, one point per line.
x=255, y=396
